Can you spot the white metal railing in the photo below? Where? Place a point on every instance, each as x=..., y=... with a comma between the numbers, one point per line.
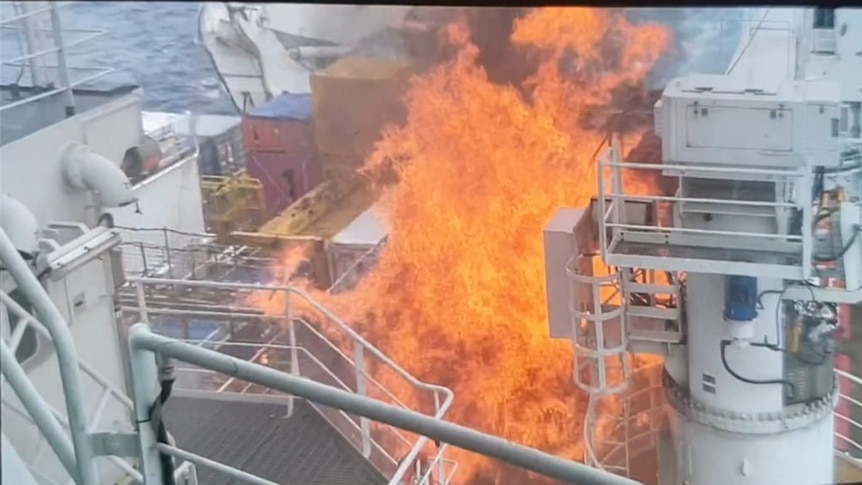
x=168, y=252
x=598, y=328
x=384, y=444
x=108, y=393
x=64, y=76
x=348, y=278
x=848, y=446
x=80, y=450
x=615, y=228
x=620, y=429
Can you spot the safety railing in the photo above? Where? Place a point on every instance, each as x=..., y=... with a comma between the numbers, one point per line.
x=144, y=344
x=598, y=327
x=621, y=431
x=346, y=279
x=848, y=438
x=658, y=245
x=328, y=351
x=164, y=252
x=40, y=37
x=107, y=392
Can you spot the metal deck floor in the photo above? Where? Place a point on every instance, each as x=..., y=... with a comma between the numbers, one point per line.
x=257, y=438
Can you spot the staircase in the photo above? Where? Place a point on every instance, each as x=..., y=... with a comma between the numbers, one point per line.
x=230, y=423
x=316, y=345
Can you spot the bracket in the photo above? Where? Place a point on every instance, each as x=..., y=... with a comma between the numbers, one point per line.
x=116, y=444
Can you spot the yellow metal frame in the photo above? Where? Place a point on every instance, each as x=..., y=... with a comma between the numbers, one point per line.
x=233, y=203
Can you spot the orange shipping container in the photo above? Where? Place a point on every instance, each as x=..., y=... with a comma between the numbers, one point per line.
x=354, y=99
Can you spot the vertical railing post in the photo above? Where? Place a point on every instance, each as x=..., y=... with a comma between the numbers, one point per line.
x=807, y=241
x=64, y=346
x=145, y=391
x=63, y=69
x=143, y=314
x=168, y=253
x=294, y=354
x=441, y=466
x=617, y=186
x=362, y=390
x=600, y=226
x=144, y=269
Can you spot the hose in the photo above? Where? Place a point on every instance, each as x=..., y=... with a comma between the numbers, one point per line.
x=723, y=352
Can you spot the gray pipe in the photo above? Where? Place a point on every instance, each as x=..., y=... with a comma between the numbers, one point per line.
x=39, y=411
x=528, y=458
x=66, y=356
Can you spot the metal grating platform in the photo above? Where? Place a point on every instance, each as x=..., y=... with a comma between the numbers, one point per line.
x=259, y=439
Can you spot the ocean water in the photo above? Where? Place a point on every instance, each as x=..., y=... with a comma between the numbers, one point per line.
x=152, y=44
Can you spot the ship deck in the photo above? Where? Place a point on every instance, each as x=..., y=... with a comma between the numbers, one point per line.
x=27, y=118
x=260, y=439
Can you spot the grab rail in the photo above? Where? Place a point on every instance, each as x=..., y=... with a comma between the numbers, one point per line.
x=293, y=297
x=26, y=321
x=144, y=345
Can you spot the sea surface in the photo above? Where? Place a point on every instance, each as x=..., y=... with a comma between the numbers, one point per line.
x=152, y=44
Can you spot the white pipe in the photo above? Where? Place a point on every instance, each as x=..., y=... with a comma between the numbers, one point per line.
x=143, y=341
x=38, y=409
x=20, y=225
x=66, y=356
x=87, y=170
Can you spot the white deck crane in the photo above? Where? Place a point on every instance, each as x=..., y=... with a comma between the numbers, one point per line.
x=739, y=292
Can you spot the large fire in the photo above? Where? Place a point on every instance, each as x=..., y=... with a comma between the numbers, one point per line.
x=458, y=295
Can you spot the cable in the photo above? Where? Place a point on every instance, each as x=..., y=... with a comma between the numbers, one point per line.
x=723, y=349
x=824, y=259
x=167, y=384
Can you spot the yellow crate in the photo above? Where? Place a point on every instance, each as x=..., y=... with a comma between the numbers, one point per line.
x=232, y=203
x=354, y=99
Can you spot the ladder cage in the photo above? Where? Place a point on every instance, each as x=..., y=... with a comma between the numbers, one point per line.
x=598, y=327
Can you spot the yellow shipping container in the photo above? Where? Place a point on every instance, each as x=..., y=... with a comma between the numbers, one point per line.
x=354, y=98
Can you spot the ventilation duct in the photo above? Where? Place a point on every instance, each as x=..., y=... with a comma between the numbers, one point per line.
x=87, y=170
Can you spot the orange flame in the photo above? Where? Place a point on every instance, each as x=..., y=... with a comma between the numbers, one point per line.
x=458, y=296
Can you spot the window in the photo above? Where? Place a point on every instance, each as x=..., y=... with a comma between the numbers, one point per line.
x=30, y=340
x=824, y=18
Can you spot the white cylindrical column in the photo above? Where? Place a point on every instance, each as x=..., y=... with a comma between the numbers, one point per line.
x=732, y=425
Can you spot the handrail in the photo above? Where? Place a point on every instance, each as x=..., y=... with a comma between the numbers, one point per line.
x=324, y=311
x=441, y=408
x=26, y=320
x=144, y=345
x=856, y=382
x=614, y=226
x=66, y=356
x=38, y=409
